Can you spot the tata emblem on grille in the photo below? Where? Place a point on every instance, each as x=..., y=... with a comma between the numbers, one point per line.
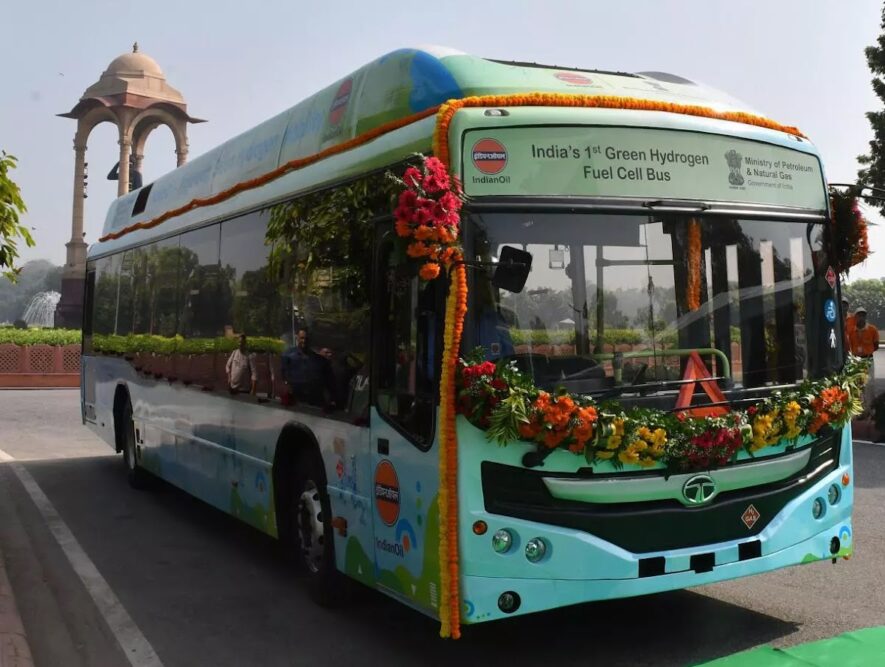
x=699, y=490
x=750, y=517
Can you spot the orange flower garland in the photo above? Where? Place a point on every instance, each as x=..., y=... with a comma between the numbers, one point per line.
x=444, y=113
x=450, y=108
x=693, y=280
x=450, y=585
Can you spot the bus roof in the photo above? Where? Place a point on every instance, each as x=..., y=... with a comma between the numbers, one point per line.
x=394, y=87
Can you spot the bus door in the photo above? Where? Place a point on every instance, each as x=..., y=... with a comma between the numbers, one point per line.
x=407, y=342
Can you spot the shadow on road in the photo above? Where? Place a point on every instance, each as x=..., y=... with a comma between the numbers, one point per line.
x=207, y=589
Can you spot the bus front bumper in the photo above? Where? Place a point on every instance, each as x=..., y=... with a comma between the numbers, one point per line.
x=567, y=574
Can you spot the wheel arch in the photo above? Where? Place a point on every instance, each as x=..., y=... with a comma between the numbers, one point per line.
x=121, y=397
x=295, y=440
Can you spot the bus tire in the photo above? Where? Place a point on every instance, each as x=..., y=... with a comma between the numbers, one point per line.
x=138, y=477
x=314, y=537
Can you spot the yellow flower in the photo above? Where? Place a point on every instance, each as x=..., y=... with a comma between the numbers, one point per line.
x=618, y=425
x=613, y=442
x=604, y=455
x=628, y=456
x=659, y=437
x=646, y=462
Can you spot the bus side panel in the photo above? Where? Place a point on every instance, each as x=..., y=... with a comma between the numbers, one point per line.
x=100, y=376
x=404, y=554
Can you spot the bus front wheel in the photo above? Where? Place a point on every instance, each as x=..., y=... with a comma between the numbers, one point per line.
x=312, y=519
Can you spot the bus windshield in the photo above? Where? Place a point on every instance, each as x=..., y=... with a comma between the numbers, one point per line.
x=623, y=300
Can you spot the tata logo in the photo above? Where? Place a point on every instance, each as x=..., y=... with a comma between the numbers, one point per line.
x=699, y=490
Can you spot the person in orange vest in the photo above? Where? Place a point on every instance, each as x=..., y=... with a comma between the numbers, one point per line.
x=863, y=341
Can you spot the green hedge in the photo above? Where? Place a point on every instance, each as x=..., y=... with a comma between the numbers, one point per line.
x=135, y=343
x=40, y=336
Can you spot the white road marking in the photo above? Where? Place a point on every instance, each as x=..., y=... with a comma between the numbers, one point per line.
x=869, y=442
x=134, y=644
x=4, y=457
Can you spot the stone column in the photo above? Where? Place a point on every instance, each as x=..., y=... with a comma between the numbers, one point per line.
x=137, y=161
x=79, y=175
x=181, y=154
x=123, y=183
x=69, y=312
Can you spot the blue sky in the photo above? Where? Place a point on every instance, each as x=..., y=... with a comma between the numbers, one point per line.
x=800, y=62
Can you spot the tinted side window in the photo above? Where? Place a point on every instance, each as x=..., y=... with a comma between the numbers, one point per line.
x=126, y=292
x=105, y=296
x=155, y=294
x=249, y=294
x=329, y=364
x=408, y=336
x=202, y=313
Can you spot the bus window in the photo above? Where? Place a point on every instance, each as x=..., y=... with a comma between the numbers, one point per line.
x=408, y=337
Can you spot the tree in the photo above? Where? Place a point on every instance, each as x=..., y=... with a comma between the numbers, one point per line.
x=873, y=171
x=871, y=295
x=11, y=207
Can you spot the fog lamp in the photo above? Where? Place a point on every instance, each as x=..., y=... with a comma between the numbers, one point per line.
x=502, y=540
x=508, y=602
x=818, y=508
x=535, y=549
x=834, y=494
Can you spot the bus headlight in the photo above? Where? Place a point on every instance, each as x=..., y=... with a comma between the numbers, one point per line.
x=502, y=540
x=818, y=508
x=535, y=549
x=834, y=494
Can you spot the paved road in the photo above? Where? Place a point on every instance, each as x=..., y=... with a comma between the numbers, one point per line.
x=206, y=590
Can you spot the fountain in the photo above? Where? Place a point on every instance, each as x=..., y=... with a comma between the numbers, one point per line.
x=41, y=311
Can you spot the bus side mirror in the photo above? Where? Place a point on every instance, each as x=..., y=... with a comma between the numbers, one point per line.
x=512, y=269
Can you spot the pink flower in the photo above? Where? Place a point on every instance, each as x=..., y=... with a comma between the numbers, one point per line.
x=412, y=177
x=450, y=202
x=408, y=198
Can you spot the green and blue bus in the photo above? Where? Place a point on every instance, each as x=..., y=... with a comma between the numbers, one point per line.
x=303, y=396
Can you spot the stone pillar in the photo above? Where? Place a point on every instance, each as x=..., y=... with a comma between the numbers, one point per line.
x=137, y=161
x=69, y=312
x=181, y=154
x=123, y=183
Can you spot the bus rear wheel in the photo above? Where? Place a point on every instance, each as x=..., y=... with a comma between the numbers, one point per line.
x=312, y=523
x=137, y=476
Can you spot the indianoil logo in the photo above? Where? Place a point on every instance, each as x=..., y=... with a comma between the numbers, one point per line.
x=489, y=156
x=387, y=493
x=340, y=101
x=574, y=79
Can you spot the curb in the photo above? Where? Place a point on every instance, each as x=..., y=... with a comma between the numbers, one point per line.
x=14, y=649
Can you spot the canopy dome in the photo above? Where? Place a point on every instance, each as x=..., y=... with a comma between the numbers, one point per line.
x=134, y=64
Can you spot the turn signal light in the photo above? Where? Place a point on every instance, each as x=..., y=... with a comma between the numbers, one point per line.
x=480, y=527
x=845, y=479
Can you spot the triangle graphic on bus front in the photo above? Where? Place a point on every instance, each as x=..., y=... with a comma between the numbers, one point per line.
x=696, y=370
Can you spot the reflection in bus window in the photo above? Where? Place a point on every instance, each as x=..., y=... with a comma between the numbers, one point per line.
x=623, y=300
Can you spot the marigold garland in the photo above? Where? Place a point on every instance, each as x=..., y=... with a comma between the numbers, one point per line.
x=450, y=603
x=693, y=280
x=509, y=407
x=449, y=109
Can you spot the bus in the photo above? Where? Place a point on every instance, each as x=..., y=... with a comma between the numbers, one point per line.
x=256, y=335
